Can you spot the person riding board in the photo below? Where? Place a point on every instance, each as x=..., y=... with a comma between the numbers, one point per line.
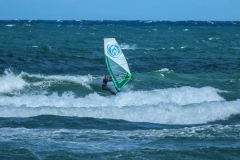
x=104, y=84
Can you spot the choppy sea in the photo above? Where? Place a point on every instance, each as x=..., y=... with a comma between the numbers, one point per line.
x=182, y=103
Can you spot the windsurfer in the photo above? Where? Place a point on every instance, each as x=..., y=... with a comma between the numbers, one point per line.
x=104, y=84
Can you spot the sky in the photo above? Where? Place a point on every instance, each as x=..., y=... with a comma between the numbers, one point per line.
x=157, y=10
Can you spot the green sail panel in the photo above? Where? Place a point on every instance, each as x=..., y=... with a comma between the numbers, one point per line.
x=116, y=63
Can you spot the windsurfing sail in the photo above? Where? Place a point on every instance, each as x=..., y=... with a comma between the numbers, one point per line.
x=116, y=63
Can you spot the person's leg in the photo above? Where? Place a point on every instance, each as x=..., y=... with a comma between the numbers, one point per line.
x=108, y=89
x=113, y=93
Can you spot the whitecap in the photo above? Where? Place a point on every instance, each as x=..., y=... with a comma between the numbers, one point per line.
x=128, y=47
x=183, y=47
x=10, y=25
x=185, y=105
x=10, y=82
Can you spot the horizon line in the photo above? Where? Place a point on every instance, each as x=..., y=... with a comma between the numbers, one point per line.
x=58, y=20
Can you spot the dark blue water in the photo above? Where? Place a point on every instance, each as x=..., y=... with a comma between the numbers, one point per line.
x=182, y=103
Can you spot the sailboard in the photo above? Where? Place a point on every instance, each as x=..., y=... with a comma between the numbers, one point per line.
x=116, y=63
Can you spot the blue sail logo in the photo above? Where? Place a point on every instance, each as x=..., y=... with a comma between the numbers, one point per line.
x=114, y=50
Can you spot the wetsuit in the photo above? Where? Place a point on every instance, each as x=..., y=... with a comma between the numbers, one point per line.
x=104, y=86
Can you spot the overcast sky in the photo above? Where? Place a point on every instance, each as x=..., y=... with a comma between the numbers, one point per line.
x=173, y=10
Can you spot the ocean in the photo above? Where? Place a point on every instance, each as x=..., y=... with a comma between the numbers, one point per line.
x=183, y=101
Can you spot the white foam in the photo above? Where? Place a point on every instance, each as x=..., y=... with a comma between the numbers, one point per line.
x=10, y=82
x=81, y=79
x=164, y=70
x=40, y=135
x=161, y=113
x=178, y=96
x=148, y=21
x=210, y=22
x=10, y=25
x=128, y=47
x=186, y=105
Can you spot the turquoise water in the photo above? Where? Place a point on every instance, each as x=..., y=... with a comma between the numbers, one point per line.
x=182, y=103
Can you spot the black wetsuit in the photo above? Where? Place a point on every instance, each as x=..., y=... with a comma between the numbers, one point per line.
x=104, y=86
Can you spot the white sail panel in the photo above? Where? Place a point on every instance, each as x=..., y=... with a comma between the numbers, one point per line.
x=114, y=52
